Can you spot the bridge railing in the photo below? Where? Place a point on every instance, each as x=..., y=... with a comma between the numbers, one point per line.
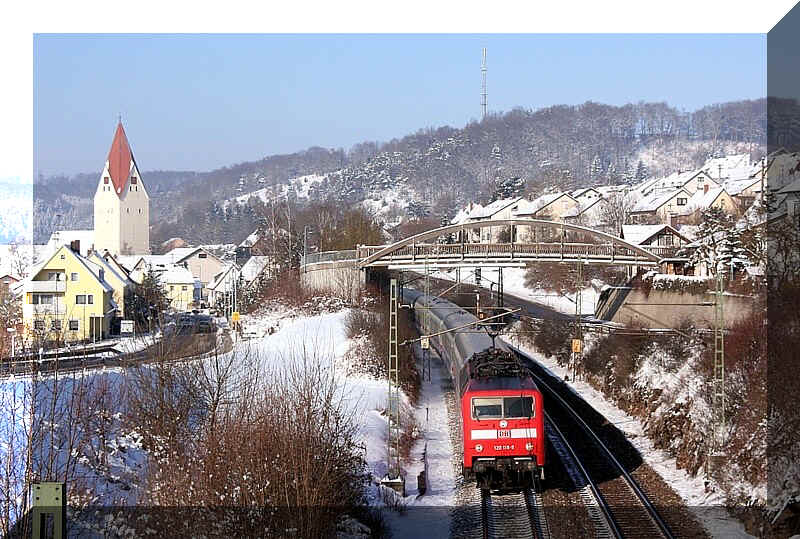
x=329, y=256
x=588, y=250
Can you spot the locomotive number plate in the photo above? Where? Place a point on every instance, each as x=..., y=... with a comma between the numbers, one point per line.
x=504, y=447
x=504, y=434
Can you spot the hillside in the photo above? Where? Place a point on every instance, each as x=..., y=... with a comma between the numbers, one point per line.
x=433, y=170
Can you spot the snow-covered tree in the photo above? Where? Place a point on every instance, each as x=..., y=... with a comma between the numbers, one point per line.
x=596, y=168
x=714, y=227
x=508, y=188
x=732, y=255
x=641, y=171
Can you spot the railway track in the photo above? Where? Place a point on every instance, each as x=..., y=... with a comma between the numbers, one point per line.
x=515, y=514
x=615, y=501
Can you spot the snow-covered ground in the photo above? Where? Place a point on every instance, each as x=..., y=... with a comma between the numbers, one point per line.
x=514, y=284
x=428, y=515
x=707, y=506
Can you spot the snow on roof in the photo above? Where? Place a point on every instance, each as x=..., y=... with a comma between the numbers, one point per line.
x=637, y=234
x=540, y=203
x=128, y=261
x=731, y=166
x=736, y=186
x=65, y=237
x=793, y=187
x=179, y=253
x=253, y=267
x=583, y=191
x=493, y=208
x=250, y=240
x=656, y=200
x=465, y=213
x=177, y=275
x=582, y=207
x=109, y=267
x=702, y=200
x=219, y=278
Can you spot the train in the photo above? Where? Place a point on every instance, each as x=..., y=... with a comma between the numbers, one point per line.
x=501, y=408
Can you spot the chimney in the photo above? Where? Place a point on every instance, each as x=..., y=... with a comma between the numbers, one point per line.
x=75, y=245
x=705, y=188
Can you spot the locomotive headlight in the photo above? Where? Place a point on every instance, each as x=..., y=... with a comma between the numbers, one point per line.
x=529, y=446
x=478, y=448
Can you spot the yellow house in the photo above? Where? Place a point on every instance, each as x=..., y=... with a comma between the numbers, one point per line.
x=179, y=284
x=67, y=298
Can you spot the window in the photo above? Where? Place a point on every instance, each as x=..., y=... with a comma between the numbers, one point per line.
x=73, y=325
x=140, y=211
x=43, y=299
x=55, y=325
x=105, y=180
x=52, y=276
x=487, y=408
x=80, y=299
x=38, y=325
x=502, y=407
x=202, y=255
x=518, y=407
x=90, y=299
x=171, y=288
x=183, y=288
x=682, y=201
x=133, y=180
x=73, y=277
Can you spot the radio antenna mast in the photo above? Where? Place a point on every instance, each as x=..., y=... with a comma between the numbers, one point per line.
x=483, y=85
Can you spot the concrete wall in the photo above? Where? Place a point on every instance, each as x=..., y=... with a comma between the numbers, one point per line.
x=668, y=309
x=339, y=278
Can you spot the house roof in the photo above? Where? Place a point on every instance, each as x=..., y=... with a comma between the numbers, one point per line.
x=219, y=278
x=734, y=187
x=109, y=267
x=494, y=207
x=90, y=266
x=250, y=240
x=119, y=159
x=639, y=234
x=177, y=275
x=704, y=199
x=582, y=207
x=656, y=200
x=580, y=192
x=540, y=203
x=128, y=261
x=253, y=267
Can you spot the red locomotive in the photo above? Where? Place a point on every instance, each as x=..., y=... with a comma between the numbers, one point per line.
x=502, y=419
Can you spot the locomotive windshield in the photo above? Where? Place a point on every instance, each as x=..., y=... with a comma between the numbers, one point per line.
x=502, y=407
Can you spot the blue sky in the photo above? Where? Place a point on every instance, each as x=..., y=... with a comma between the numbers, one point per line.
x=203, y=101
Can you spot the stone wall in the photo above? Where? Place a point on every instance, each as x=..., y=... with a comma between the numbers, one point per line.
x=668, y=308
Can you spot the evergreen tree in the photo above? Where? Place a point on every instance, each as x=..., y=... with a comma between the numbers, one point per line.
x=732, y=255
x=641, y=171
x=714, y=227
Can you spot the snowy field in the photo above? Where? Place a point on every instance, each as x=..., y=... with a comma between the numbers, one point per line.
x=707, y=506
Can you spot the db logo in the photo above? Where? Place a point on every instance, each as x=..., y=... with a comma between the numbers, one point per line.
x=503, y=424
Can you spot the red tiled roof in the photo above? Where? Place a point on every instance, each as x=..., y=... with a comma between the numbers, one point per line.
x=119, y=159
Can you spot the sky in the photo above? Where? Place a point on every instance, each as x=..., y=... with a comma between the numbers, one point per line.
x=199, y=102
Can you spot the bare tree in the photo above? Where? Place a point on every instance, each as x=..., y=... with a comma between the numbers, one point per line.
x=617, y=211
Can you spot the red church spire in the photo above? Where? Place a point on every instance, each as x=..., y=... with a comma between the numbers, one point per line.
x=119, y=159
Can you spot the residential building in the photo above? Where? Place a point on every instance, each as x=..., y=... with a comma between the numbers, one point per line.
x=662, y=240
x=221, y=288
x=660, y=207
x=549, y=207
x=121, y=203
x=7, y=282
x=116, y=276
x=67, y=298
x=180, y=285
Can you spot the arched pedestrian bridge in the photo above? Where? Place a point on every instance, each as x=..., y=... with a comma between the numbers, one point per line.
x=527, y=241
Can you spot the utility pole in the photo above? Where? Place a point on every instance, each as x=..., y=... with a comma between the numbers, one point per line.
x=718, y=411
x=394, y=479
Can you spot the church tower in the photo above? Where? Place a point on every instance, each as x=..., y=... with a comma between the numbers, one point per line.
x=121, y=203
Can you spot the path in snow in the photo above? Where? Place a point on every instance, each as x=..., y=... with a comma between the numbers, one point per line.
x=429, y=515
